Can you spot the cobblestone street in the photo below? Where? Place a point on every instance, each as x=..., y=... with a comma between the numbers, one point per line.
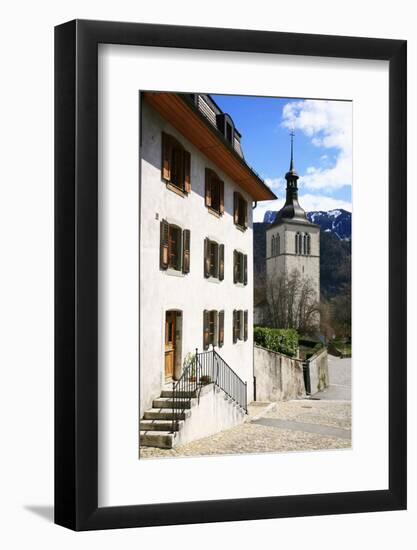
x=302, y=425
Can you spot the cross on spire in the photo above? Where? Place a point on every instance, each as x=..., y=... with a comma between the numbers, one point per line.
x=292, y=150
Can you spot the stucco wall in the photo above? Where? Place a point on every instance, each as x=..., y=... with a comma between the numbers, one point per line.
x=214, y=412
x=319, y=371
x=192, y=293
x=278, y=377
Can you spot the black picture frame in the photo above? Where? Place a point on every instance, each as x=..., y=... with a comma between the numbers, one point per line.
x=76, y=271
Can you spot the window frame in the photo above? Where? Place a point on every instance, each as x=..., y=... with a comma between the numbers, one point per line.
x=172, y=148
x=240, y=210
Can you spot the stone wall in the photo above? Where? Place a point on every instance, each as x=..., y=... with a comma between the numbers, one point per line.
x=278, y=377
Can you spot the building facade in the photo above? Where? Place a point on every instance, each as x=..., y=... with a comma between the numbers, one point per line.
x=196, y=244
x=293, y=246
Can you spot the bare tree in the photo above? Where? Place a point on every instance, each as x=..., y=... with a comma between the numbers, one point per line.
x=292, y=302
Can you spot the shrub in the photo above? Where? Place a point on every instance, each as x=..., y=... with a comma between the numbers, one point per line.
x=277, y=339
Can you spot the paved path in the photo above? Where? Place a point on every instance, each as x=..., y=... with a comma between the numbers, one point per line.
x=321, y=422
x=340, y=377
x=301, y=425
x=304, y=427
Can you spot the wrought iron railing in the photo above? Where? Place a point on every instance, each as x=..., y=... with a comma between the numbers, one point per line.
x=206, y=367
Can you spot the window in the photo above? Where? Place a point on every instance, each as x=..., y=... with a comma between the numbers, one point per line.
x=240, y=325
x=298, y=249
x=176, y=164
x=275, y=245
x=308, y=243
x=213, y=328
x=174, y=247
x=214, y=192
x=240, y=267
x=213, y=259
x=302, y=243
x=240, y=211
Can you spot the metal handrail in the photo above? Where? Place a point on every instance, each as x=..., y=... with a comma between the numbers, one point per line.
x=206, y=367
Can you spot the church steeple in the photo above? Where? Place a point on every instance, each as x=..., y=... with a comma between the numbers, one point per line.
x=291, y=208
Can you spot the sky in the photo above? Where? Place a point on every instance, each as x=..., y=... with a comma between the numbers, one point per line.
x=322, y=147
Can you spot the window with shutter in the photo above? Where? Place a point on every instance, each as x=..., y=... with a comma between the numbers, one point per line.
x=206, y=342
x=164, y=244
x=206, y=258
x=234, y=326
x=240, y=211
x=174, y=247
x=240, y=267
x=176, y=164
x=186, y=251
x=245, y=325
x=214, y=192
x=221, y=262
x=221, y=328
x=213, y=259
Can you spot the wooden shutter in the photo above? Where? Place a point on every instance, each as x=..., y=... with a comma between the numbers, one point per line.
x=236, y=207
x=208, y=187
x=164, y=237
x=166, y=156
x=235, y=266
x=206, y=320
x=235, y=313
x=221, y=262
x=206, y=257
x=221, y=191
x=245, y=213
x=245, y=269
x=221, y=328
x=187, y=172
x=245, y=325
x=186, y=236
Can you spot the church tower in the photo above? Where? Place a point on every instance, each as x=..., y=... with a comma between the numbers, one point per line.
x=293, y=243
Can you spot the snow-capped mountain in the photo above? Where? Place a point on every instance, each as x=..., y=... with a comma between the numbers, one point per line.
x=337, y=221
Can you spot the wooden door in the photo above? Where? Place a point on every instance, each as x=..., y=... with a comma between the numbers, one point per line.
x=170, y=329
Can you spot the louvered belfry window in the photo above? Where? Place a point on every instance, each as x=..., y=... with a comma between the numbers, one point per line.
x=174, y=247
x=176, y=164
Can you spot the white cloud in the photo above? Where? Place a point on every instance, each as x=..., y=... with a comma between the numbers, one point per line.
x=308, y=201
x=328, y=124
x=275, y=183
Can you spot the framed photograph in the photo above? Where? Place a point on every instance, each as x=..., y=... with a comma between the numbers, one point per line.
x=230, y=254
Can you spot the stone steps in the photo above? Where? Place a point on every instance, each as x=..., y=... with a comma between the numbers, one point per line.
x=161, y=439
x=165, y=414
x=188, y=394
x=161, y=425
x=168, y=403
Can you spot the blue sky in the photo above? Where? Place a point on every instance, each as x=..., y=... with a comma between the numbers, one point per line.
x=322, y=147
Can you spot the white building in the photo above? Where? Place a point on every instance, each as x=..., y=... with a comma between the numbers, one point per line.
x=196, y=268
x=293, y=244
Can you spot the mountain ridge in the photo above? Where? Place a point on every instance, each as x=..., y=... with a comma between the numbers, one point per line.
x=337, y=221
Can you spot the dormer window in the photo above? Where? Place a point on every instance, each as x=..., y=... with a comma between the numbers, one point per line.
x=176, y=164
x=226, y=127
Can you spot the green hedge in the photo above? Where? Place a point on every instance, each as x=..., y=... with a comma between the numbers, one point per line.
x=277, y=339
